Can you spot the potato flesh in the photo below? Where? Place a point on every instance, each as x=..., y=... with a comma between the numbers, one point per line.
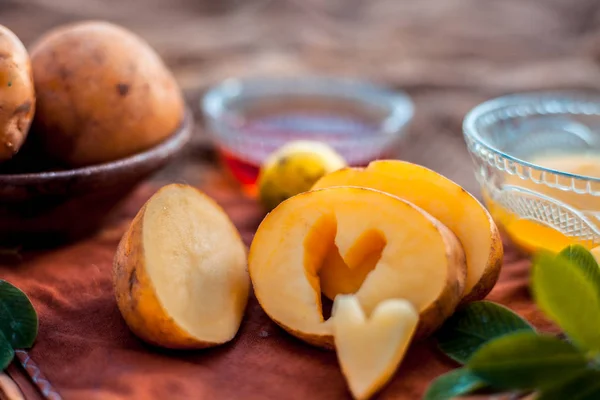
x=370, y=349
x=338, y=277
x=438, y=196
x=196, y=262
x=414, y=264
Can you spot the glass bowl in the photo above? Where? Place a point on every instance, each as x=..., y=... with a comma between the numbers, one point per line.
x=537, y=159
x=250, y=118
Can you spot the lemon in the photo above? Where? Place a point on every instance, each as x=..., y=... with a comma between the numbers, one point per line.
x=294, y=168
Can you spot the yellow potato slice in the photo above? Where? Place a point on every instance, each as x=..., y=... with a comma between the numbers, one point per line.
x=444, y=200
x=422, y=261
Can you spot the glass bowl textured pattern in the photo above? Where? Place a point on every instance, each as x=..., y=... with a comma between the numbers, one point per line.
x=507, y=137
x=252, y=117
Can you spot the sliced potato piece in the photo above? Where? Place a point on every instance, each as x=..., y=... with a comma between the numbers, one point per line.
x=444, y=200
x=370, y=348
x=180, y=271
x=421, y=261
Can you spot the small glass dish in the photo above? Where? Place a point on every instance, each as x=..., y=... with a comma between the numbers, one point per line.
x=250, y=118
x=537, y=159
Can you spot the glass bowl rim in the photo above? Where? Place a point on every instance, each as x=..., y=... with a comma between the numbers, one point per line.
x=398, y=105
x=540, y=97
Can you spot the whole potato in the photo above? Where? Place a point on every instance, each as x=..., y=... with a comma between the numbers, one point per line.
x=102, y=94
x=17, y=95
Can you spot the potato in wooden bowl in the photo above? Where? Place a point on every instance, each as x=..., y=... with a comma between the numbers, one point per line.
x=102, y=94
x=17, y=94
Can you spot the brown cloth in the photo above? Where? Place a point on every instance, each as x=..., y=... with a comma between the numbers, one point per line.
x=86, y=351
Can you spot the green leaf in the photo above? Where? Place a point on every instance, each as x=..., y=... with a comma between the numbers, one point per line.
x=18, y=319
x=475, y=324
x=584, y=385
x=582, y=257
x=565, y=294
x=7, y=352
x=454, y=383
x=525, y=360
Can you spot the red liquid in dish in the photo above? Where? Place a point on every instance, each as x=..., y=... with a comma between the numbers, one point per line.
x=347, y=133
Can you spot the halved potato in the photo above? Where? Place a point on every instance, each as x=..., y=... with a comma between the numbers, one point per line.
x=370, y=349
x=444, y=200
x=421, y=260
x=180, y=274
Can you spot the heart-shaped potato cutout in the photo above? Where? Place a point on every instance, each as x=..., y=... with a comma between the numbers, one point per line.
x=416, y=258
x=370, y=348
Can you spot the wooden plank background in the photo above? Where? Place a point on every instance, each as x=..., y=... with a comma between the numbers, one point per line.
x=448, y=54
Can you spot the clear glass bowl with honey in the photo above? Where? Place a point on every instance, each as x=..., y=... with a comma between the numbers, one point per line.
x=537, y=159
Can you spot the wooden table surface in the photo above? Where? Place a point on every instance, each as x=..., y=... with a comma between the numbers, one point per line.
x=447, y=54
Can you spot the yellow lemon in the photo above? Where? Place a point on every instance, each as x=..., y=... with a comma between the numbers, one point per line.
x=294, y=168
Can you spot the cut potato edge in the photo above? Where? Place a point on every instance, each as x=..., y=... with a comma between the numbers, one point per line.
x=136, y=300
x=370, y=349
x=181, y=311
x=273, y=295
x=484, y=253
x=488, y=263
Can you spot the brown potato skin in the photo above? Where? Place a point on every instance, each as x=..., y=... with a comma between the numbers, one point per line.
x=492, y=270
x=102, y=94
x=432, y=318
x=325, y=342
x=17, y=94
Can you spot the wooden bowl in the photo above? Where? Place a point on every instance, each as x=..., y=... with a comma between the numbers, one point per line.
x=49, y=207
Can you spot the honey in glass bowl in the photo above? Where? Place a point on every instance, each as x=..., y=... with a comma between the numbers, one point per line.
x=531, y=235
x=537, y=158
x=250, y=118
